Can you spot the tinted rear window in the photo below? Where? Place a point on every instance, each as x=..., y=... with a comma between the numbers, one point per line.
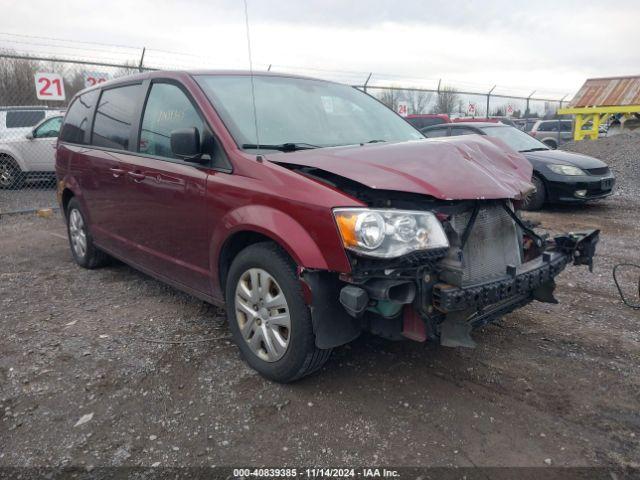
x=114, y=115
x=23, y=118
x=424, y=122
x=436, y=132
x=77, y=120
x=552, y=126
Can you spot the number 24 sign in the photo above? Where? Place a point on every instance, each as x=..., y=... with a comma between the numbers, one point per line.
x=49, y=86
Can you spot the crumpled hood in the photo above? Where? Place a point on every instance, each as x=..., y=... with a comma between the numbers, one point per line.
x=454, y=168
x=564, y=158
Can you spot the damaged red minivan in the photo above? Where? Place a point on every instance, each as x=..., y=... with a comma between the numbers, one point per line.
x=308, y=208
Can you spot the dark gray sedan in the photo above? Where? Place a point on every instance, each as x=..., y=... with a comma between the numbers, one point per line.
x=559, y=176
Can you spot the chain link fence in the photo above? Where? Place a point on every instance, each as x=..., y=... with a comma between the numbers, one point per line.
x=35, y=91
x=34, y=95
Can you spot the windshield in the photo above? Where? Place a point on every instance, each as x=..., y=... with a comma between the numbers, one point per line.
x=516, y=139
x=300, y=111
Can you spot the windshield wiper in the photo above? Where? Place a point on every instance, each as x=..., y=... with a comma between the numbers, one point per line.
x=375, y=141
x=537, y=149
x=283, y=147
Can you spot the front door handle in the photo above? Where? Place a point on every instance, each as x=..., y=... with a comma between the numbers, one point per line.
x=137, y=176
x=116, y=172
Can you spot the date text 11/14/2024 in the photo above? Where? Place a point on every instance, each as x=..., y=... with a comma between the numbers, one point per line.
x=315, y=473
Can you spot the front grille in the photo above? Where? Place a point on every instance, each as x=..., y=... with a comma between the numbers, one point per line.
x=493, y=244
x=598, y=171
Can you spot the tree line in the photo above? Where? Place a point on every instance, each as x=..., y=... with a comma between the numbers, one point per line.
x=17, y=83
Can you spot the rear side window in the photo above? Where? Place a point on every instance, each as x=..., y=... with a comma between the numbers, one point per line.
x=427, y=122
x=461, y=131
x=77, y=120
x=23, y=118
x=114, y=115
x=436, y=132
x=167, y=109
x=548, y=127
x=566, y=127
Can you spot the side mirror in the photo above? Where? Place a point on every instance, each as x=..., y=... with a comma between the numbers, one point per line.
x=31, y=135
x=185, y=144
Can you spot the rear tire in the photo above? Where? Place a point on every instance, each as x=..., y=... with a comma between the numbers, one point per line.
x=83, y=250
x=11, y=177
x=535, y=200
x=260, y=274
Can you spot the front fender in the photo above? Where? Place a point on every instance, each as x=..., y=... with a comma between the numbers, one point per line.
x=272, y=223
x=275, y=224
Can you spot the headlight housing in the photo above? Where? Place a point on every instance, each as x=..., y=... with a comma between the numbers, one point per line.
x=387, y=233
x=566, y=170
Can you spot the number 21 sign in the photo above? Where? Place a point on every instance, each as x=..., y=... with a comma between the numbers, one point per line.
x=49, y=86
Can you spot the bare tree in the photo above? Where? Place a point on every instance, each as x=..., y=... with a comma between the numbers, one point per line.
x=446, y=101
x=16, y=81
x=390, y=98
x=417, y=100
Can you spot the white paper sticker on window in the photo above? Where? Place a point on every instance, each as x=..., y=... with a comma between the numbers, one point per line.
x=327, y=103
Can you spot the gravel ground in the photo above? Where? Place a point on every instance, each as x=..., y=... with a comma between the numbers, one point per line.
x=27, y=199
x=83, y=383
x=622, y=154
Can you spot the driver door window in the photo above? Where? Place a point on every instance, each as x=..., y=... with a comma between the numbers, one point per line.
x=167, y=109
x=49, y=129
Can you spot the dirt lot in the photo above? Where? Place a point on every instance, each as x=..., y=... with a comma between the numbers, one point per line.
x=549, y=384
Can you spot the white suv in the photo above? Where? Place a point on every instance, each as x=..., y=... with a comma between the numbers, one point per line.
x=27, y=142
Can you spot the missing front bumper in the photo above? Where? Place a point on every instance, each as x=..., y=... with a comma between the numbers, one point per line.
x=534, y=277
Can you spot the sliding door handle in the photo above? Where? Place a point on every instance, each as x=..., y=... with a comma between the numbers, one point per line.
x=116, y=172
x=137, y=176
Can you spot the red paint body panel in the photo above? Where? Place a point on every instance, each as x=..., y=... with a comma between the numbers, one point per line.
x=173, y=218
x=448, y=168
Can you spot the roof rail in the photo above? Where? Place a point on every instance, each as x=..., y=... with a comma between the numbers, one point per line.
x=30, y=107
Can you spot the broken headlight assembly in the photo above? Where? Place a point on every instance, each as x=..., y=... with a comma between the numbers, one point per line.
x=388, y=233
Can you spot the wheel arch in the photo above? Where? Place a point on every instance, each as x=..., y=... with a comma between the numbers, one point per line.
x=65, y=198
x=256, y=223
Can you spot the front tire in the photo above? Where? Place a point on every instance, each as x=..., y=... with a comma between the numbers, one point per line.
x=83, y=250
x=535, y=200
x=268, y=317
x=11, y=177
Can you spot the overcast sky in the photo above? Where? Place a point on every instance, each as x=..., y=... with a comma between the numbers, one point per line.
x=549, y=46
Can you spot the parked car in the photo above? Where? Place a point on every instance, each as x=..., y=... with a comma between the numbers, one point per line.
x=422, y=120
x=620, y=125
x=324, y=216
x=559, y=177
x=553, y=132
x=526, y=124
x=30, y=156
x=18, y=121
x=504, y=120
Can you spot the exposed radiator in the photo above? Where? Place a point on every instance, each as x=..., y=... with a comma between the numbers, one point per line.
x=493, y=244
